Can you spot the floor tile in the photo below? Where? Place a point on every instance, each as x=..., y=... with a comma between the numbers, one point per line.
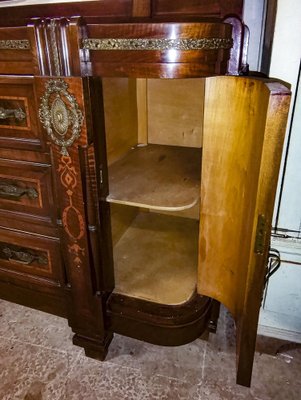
x=113, y=382
x=274, y=378
x=39, y=362
x=182, y=362
x=31, y=372
x=35, y=327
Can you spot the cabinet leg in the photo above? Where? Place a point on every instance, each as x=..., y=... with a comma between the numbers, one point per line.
x=94, y=348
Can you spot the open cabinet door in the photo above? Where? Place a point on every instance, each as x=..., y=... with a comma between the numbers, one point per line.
x=244, y=126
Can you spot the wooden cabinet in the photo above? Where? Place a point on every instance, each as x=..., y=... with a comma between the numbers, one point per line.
x=136, y=182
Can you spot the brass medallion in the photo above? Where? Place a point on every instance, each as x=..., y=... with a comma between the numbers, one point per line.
x=59, y=114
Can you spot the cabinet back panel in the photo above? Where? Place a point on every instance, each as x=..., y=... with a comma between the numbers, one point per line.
x=175, y=112
x=121, y=218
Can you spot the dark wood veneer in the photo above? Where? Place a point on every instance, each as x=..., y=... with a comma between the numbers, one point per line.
x=11, y=16
x=51, y=301
x=158, y=323
x=218, y=8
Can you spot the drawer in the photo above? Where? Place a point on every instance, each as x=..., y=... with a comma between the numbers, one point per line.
x=31, y=258
x=25, y=187
x=17, y=51
x=18, y=114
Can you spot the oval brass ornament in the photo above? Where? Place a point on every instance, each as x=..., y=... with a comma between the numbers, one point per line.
x=60, y=114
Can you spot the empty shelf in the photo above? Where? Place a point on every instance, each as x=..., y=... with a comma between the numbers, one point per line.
x=156, y=259
x=157, y=177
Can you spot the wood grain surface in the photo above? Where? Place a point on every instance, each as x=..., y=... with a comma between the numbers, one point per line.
x=157, y=177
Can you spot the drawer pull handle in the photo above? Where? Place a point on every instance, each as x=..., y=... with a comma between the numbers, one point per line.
x=23, y=257
x=16, y=113
x=15, y=192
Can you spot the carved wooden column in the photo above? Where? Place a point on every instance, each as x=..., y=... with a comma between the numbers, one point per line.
x=66, y=117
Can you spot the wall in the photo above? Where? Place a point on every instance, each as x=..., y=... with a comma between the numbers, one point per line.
x=280, y=316
x=253, y=16
x=285, y=63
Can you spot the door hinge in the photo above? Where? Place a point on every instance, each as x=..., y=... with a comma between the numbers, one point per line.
x=261, y=231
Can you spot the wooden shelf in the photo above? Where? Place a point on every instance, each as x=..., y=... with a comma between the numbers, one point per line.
x=157, y=177
x=156, y=259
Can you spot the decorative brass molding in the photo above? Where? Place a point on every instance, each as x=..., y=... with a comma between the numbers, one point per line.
x=60, y=113
x=13, y=44
x=54, y=48
x=157, y=44
x=16, y=113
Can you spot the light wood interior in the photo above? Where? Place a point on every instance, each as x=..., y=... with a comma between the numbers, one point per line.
x=142, y=110
x=157, y=177
x=157, y=111
x=278, y=99
x=232, y=158
x=175, y=111
x=156, y=259
x=121, y=219
x=154, y=136
x=120, y=105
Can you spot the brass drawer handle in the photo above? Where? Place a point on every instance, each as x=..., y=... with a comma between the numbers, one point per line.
x=23, y=257
x=16, y=113
x=15, y=192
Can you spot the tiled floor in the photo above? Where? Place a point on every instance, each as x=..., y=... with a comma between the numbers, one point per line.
x=39, y=362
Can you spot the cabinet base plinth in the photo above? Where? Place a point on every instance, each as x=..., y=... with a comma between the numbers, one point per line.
x=157, y=323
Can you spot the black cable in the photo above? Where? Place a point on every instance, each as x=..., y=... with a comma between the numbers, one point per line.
x=273, y=264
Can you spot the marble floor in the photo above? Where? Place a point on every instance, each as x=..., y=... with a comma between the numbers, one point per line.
x=39, y=362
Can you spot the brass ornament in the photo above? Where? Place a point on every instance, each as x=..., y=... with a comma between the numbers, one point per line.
x=157, y=44
x=23, y=256
x=16, y=113
x=60, y=115
x=15, y=192
x=54, y=48
x=13, y=44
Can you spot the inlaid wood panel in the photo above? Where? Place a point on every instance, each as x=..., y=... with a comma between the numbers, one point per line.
x=17, y=51
x=25, y=188
x=18, y=114
x=30, y=258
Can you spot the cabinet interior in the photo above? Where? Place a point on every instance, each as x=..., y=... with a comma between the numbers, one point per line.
x=153, y=140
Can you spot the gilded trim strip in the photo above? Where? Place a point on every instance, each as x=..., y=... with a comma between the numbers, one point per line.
x=54, y=48
x=157, y=44
x=14, y=44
